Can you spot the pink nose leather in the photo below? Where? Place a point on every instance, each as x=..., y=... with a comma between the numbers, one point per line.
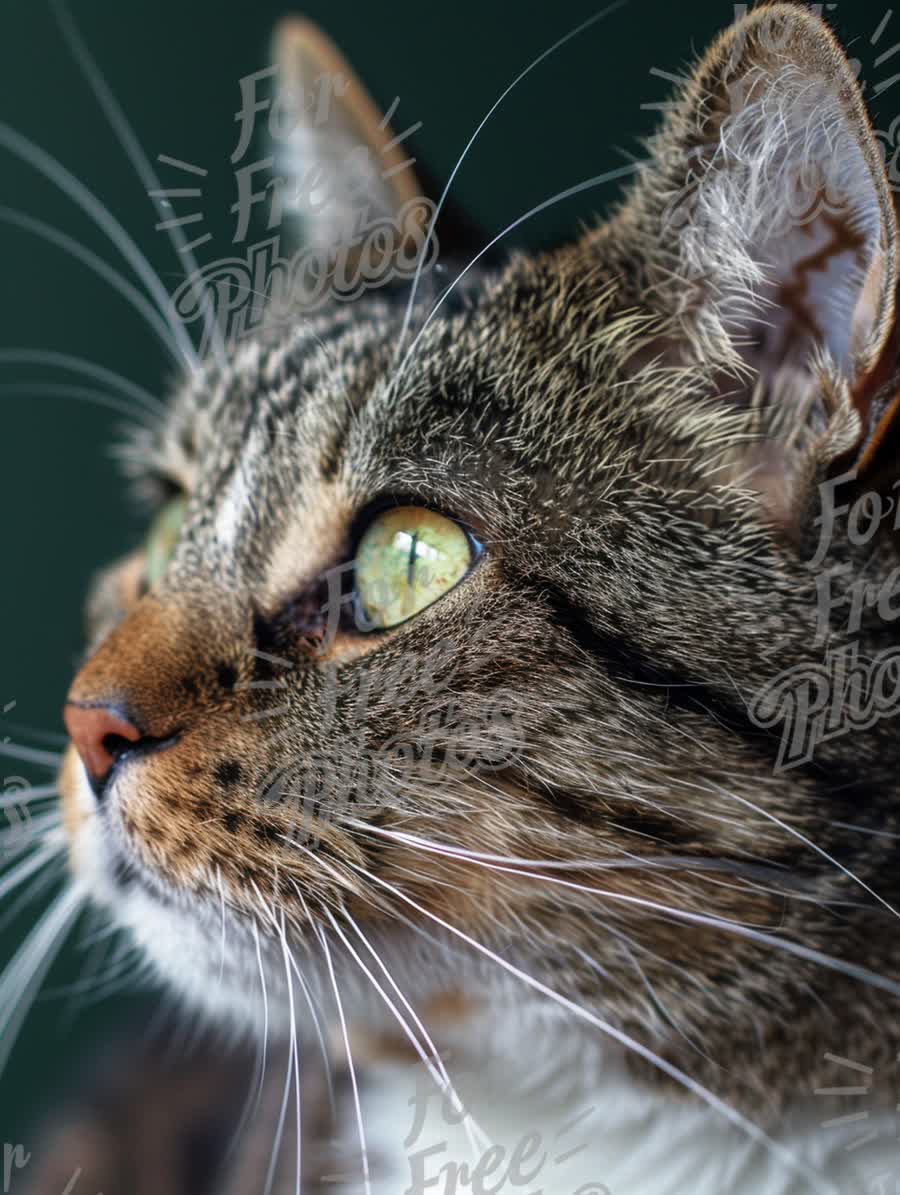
x=98, y=733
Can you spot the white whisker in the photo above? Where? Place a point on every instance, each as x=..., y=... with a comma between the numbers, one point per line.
x=33, y=732
x=105, y=271
x=47, y=759
x=285, y=1098
x=865, y=830
x=559, y=197
x=367, y=1185
x=753, y=1131
x=254, y=1095
x=34, y=886
x=47, y=165
x=222, y=944
x=800, y=838
x=317, y=1026
x=79, y=393
x=35, y=826
x=573, y=33
x=651, y=863
x=139, y=160
x=28, y=867
x=852, y=970
x=39, y=792
x=90, y=369
x=265, y=998
x=433, y=1065
x=296, y=1056
x=30, y=964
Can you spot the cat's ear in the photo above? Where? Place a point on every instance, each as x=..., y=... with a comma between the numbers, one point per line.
x=765, y=226
x=344, y=169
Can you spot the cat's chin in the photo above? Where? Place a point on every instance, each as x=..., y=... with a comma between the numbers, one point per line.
x=214, y=974
x=243, y=976
x=222, y=967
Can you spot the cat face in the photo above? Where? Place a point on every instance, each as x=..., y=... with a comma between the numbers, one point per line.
x=451, y=639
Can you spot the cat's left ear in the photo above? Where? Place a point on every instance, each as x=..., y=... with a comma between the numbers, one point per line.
x=766, y=228
x=345, y=169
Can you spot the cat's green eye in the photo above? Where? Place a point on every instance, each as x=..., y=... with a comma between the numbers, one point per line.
x=407, y=558
x=162, y=538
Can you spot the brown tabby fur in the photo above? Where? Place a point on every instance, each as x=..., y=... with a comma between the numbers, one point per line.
x=645, y=493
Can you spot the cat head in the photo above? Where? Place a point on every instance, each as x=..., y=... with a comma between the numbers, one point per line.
x=468, y=623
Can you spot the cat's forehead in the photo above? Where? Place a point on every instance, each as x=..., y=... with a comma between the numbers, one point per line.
x=479, y=409
x=381, y=392
x=315, y=384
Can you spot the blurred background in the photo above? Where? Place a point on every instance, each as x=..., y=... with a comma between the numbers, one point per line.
x=175, y=68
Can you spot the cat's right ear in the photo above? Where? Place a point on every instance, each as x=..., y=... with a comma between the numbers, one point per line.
x=345, y=170
x=766, y=237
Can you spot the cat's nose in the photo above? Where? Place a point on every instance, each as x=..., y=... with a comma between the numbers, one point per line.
x=102, y=736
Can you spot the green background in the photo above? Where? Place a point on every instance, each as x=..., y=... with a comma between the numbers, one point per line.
x=174, y=65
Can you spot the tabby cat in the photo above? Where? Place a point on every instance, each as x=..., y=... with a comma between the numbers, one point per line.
x=460, y=745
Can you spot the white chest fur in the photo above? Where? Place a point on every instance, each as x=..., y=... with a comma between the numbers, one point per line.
x=619, y=1140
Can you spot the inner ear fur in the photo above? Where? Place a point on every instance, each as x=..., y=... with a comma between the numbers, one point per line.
x=766, y=230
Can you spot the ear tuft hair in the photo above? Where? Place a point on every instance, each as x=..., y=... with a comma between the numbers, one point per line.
x=764, y=221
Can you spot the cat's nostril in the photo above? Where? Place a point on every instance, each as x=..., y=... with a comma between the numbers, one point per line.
x=115, y=745
x=101, y=736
